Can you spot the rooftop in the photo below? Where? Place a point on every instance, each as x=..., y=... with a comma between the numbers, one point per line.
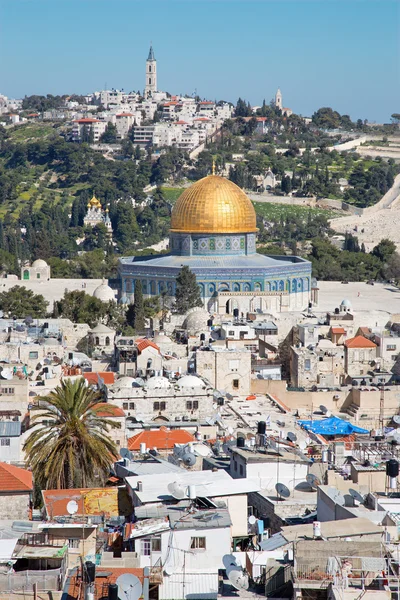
x=111, y=502
x=162, y=438
x=14, y=479
x=359, y=342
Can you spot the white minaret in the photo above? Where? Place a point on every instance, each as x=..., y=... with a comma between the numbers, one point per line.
x=151, y=74
x=278, y=99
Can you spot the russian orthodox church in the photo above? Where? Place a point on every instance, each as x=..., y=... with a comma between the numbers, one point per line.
x=96, y=214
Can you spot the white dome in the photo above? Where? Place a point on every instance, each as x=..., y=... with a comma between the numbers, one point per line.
x=39, y=263
x=160, y=338
x=158, y=382
x=104, y=293
x=124, y=382
x=196, y=320
x=190, y=381
x=346, y=303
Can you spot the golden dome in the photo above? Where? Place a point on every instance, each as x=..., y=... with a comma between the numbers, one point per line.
x=213, y=205
x=94, y=203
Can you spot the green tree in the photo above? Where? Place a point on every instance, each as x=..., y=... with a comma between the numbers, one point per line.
x=110, y=134
x=138, y=319
x=187, y=293
x=73, y=448
x=384, y=250
x=21, y=302
x=82, y=308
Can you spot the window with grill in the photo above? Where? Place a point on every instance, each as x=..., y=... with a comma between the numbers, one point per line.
x=195, y=404
x=156, y=544
x=145, y=547
x=131, y=405
x=235, y=384
x=125, y=405
x=156, y=406
x=189, y=405
x=5, y=441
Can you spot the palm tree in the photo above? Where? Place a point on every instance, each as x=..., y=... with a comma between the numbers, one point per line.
x=72, y=448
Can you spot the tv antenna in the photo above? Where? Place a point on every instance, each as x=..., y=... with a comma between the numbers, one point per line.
x=129, y=587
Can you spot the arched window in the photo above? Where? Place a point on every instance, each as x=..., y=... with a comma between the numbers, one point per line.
x=152, y=287
x=294, y=285
x=149, y=80
x=107, y=341
x=26, y=274
x=149, y=68
x=236, y=287
x=97, y=341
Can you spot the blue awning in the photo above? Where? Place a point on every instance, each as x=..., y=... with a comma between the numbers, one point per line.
x=332, y=426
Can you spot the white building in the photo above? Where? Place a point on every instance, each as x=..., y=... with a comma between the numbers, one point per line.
x=151, y=74
x=94, y=128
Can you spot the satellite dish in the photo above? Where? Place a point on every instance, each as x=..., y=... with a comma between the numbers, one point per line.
x=292, y=437
x=282, y=490
x=252, y=520
x=356, y=495
x=189, y=459
x=129, y=587
x=201, y=450
x=280, y=423
x=153, y=452
x=177, y=490
x=396, y=419
x=339, y=498
x=239, y=579
x=125, y=453
x=6, y=374
x=72, y=507
x=325, y=411
x=302, y=445
x=313, y=481
x=229, y=561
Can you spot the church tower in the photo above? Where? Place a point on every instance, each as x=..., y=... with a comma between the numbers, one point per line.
x=151, y=74
x=278, y=99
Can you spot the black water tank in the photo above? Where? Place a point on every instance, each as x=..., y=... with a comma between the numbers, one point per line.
x=202, y=337
x=236, y=313
x=240, y=442
x=392, y=468
x=261, y=427
x=90, y=572
x=209, y=323
x=112, y=591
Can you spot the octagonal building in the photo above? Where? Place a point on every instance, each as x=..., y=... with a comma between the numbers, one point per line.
x=213, y=232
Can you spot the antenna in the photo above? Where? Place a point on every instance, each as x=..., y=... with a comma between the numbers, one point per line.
x=282, y=490
x=313, y=481
x=72, y=507
x=176, y=490
x=129, y=587
x=292, y=437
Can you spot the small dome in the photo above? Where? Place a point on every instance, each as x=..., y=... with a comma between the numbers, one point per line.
x=39, y=263
x=158, y=382
x=125, y=382
x=160, y=338
x=123, y=300
x=104, y=293
x=346, y=303
x=190, y=381
x=196, y=320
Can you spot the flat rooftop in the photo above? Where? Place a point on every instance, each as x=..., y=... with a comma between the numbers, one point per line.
x=380, y=297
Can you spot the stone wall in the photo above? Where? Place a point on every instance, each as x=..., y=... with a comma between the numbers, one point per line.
x=14, y=506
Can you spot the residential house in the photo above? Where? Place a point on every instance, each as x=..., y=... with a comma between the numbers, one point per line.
x=16, y=488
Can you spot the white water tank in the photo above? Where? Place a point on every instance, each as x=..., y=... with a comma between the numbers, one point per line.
x=142, y=448
x=317, y=529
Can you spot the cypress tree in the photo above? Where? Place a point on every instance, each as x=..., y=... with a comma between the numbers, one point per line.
x=187, y=293
x=138, y=308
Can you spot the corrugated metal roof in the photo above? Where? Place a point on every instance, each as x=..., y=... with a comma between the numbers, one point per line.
x=274, y=542
x=10, y=428
x=189, y=585
x=202, y=519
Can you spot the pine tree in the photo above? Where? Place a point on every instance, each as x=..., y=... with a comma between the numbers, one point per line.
x=187, y=293
x=138, y=308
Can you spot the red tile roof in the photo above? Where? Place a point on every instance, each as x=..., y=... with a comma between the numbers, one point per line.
x=143, y=343
x=125, y=115
x=108, y=410
x=107, y=376
x=359, y=342
x=14, y=479
x=87, y=121
x=202, y=119
x=338, y=330
x=162, y=438
x=206, y=102
x=180, y=123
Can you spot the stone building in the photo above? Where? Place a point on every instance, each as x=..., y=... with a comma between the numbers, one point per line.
x=321, y=366
x=360, y=356
x=96, y=215
x=102, y=338
x=151, y=74
x=160, y=400
x=227, y=370
x=38, y=270
x=16, y=488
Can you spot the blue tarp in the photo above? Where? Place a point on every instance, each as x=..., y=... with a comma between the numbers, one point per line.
x=331, y=426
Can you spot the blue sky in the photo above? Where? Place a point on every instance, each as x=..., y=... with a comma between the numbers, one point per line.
x=339, y=53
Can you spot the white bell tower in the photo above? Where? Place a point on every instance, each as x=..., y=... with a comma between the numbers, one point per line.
x=278, y=99
x=151, y=74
